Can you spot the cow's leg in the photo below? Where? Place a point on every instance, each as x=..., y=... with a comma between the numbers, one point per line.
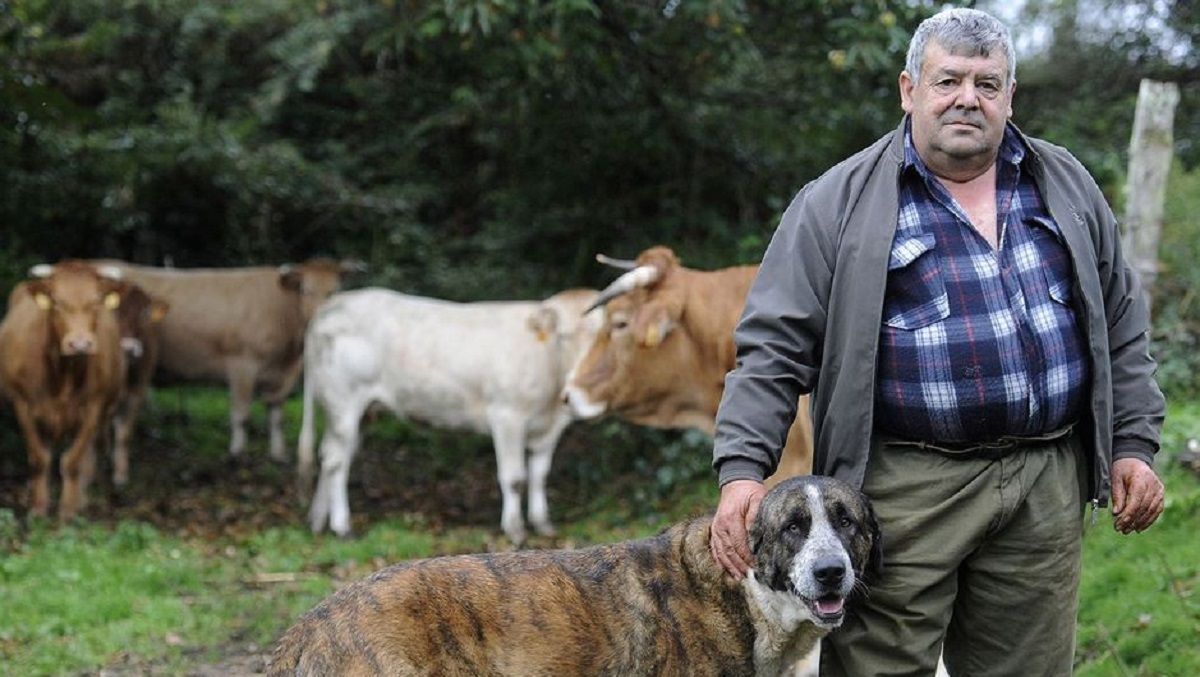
x=39, y=460
x=241, y=375
x=78, y=464
x=508, y=437
x=275, y=428
x=123, y=424
x=541, y=454
x=338, y=446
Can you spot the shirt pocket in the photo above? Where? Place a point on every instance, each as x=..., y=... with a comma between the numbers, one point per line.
x=1056, y=261
x=916, y=294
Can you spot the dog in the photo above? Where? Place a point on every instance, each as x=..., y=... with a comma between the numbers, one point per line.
x=655, y=606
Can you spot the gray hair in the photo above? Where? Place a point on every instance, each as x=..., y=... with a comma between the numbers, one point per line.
x=963, y=32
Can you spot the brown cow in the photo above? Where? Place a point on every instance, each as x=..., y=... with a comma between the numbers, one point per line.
x=138, y=316
x=61, y=366
x=240, y=326
x=667, y=342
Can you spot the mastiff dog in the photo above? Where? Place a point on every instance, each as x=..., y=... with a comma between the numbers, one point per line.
x=656, y=606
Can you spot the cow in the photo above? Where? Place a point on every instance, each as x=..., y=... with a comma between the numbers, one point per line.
x=138, y=317
x=62, y=367
x=661, y=357
x=493, y=367
x=243, y=327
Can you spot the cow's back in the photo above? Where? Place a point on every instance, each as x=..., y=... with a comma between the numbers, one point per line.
x=217, y=315
x=436, y=361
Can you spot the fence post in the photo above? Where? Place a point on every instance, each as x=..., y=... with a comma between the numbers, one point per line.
x=1150, y=151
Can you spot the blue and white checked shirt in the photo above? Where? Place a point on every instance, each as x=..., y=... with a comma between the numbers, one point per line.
x=977, y=343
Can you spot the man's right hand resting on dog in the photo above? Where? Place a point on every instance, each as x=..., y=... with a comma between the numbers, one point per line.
x=729, y=544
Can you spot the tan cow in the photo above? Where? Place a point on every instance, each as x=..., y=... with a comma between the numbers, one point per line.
x=61, y=366
x=138, y=316
x=240, y=326
x=667, y=342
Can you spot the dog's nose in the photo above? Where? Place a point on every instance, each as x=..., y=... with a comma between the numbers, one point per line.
x=829, y=571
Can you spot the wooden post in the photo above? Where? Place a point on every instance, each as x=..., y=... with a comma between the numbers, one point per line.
x=1150, y=151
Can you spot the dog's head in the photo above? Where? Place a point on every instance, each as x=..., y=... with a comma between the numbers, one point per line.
x=816, y=538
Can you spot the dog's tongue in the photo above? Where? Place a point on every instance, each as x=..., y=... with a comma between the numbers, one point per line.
x=830, y=606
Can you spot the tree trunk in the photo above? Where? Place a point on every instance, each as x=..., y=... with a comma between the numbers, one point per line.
x=1150, y=151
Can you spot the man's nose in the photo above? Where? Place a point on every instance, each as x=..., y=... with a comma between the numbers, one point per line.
x=968, y=96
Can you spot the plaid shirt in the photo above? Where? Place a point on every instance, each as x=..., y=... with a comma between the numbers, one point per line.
x=977, y=343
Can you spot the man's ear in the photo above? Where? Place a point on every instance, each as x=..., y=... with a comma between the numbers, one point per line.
x=652, y=324
x=906, y=88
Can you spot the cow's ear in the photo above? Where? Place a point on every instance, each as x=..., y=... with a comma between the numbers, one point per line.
x=43, y=300
x=158, y=310
x=290, y=277
x=543, y=322
x=37, y=290
x=652, y=324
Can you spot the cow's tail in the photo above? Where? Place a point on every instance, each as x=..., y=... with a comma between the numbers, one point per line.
x=304, y=449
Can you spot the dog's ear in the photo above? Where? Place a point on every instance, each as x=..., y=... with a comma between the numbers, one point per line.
x=874, y=568
x=756, y=536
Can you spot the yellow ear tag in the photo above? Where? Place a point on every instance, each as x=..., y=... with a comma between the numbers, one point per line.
x=653, y=337
x=111, y=300
x=542, y=335
x=43, y=301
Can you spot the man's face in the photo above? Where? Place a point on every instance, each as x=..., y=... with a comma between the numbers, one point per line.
x=959, y=107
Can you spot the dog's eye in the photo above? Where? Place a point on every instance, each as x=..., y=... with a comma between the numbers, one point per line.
x=794, y=528
x=845, y=522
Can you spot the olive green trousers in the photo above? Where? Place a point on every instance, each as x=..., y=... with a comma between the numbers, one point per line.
x=981, y=562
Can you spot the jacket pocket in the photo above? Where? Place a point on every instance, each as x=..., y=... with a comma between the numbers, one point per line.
x=916, y=294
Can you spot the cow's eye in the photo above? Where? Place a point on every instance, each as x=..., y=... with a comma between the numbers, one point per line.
x=619, y=325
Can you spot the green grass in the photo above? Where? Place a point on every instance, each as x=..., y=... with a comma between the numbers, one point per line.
x=209, y=558
x=1140, y=598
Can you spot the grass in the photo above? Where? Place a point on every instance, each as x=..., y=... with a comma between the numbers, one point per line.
x=206, y=559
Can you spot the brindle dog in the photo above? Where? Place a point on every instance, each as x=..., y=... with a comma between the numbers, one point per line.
x=656, y=606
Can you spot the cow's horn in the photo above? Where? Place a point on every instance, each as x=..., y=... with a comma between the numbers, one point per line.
x=41, y=270
x=623, y=264
x=642, y=276
x=111, y=272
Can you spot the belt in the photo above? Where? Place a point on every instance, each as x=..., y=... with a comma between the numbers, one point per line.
x=990, y=450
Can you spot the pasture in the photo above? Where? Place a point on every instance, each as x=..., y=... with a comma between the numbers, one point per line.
x=202, y=562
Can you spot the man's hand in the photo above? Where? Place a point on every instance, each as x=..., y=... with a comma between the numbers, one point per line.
x=1137, y=495
x=736, y=510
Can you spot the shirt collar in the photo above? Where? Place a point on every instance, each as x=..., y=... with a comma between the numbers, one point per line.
x=1012, y=149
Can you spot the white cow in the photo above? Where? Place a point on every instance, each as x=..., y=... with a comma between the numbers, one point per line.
x=491, y=367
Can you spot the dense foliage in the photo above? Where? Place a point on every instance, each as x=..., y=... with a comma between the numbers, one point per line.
x=488, y=148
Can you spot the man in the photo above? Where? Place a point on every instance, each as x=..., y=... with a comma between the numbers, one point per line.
x=956, y=300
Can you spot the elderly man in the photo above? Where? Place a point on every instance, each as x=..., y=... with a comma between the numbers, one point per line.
x=956, y=299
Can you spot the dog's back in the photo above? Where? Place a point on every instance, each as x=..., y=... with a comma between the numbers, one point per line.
x=641, y=607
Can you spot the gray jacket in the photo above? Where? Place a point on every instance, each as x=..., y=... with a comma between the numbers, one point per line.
x=811, y=321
